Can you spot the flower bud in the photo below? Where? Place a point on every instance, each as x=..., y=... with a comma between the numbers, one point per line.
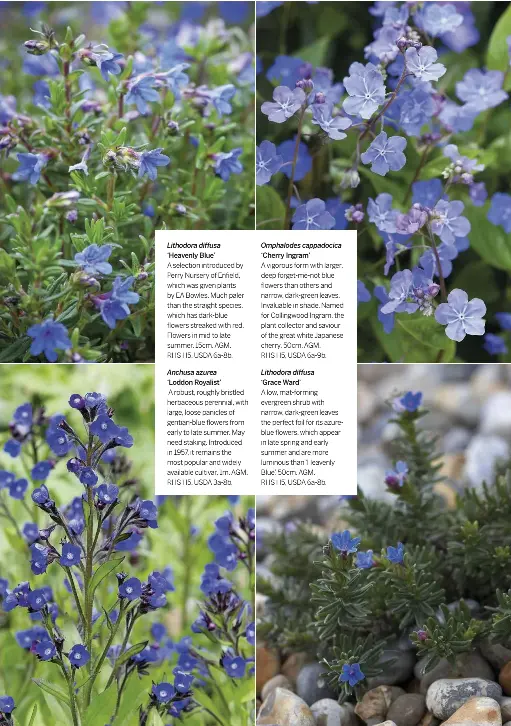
x=306, y=84
x=37, y=47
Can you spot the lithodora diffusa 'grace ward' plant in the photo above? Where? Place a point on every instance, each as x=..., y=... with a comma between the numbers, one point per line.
x=401, y=137
x=410, y=580
x=101, y=144
x=94, y=651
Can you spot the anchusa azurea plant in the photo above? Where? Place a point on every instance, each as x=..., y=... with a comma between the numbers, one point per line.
x=411, y=579
x=84, y=601
x=404, y=146
x=134, y=119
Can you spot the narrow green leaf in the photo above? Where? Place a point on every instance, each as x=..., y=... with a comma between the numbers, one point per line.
x=103, y=571
x=53, y=690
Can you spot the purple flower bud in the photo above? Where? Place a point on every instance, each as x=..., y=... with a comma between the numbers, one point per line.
x=77, y=401
x=320, y=97
x=72, y=216
x=306, y=84
x=74, y=465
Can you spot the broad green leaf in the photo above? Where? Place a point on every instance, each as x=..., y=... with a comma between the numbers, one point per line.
x=478, y=279
x=134, y=650
x=134, y=695
x=423, y=340
x=203, y=699
x=270, y=208
x=154, y=719
x=101, y=708
x=53, y=690
x=489, y=241
x=497, y=55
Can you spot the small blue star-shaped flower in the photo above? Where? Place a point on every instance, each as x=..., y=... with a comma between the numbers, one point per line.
x=343, y=542
x=396, y=554
x=352, y=674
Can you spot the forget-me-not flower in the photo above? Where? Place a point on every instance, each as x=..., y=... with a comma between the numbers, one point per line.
x=381, y=214
x=227, y=163
x=396, y=554
x=481, y=90
x=447, y=222
x=461, y=316
x=422, y=63
x=500, y=211
x=352, y=674
x=30, y=168
x=344, y=542
x=363, y=294
x=150, y=161
x=385, y=154
x=268, y=162
x=286, y=103
x=94, y=259
x=114, y=306
x=437, y=18
x=333, y=126
x=141, y=92
x=365, y=88
x=494, y=344
x=313, y=216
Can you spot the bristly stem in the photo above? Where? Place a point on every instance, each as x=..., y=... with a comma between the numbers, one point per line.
x=293, y=167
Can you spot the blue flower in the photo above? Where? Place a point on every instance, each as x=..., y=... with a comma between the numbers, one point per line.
x=333, y=126
x=104, y=428
x=396, y=554
x=141, y=92
x=58, y=441
x=234, y=666
x=386, y=319
x=6, y=704
x=250, y=633
x=396, y=477
x=41, y=94
x=82, y=165
x=413, y=110
x=422, y=63
x=343, y=542
x=30, y=532
x=18, y=488
x=163, y=692
x=268, y=162
x=71, y=555
x=494, y=344
x=48, y=337
x=427, y=193
x=131, y=589
x=107, y=493
x=287, y=70
x=352, y=674
x=381, y=214
x=30, y=168
x=401, y=288
x=158, y=631
x=12, y=447
x=115, y=306
x=88, y=476
x=286, y=103
x=36, y=599
x=481, y=90
x=93, y=259
x=45, y=650
x=504, y=320
x=447, y=222
x=385, y=154
x=227, y=163
x=338, y=211
x=304, y=161
x=41, y=495
x=41, y=470
x=148, y=210
x=150, y=161
x=457, y=118
x=264, y=7
x=366, y=90
x=461, y=316
x=78, y=656
x=313, y=216
x=182, y=681
x=6, y=479
x=478, y=193
x=364, y=560
x=108, y=63
x=446, y=254
x=363, y=294
x=409, y=402
x=500, y=211
x=220, y=98
x=176, y=78
x=438, y=19
x=234, y=12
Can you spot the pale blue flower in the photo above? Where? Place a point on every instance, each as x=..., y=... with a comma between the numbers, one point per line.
x=461, y=316
x=385, y=154
x=366, y=90
x=286, y=103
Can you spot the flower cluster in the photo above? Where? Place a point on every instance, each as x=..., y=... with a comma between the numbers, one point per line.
x=101, y=144
x=407, y=114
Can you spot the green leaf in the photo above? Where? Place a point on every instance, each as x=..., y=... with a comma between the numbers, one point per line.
x=15, y=351
x=497, y=56
x=423, y=340
x=154, y=719
x=103, y=571
x=134, y=696
x=203, y=699
x=33, y=715
x=101, y=709
x=53, y=690
x=134, y=650
x=270, y=208
x=489, y=241
x=478, y=279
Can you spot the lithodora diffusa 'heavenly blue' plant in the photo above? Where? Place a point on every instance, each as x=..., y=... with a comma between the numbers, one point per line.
x=94, y=651
x=102, y=143
x=408, y=149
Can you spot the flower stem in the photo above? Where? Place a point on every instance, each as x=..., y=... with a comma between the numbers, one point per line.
x=438, y=264
x=293, y=167
x=372, y=122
